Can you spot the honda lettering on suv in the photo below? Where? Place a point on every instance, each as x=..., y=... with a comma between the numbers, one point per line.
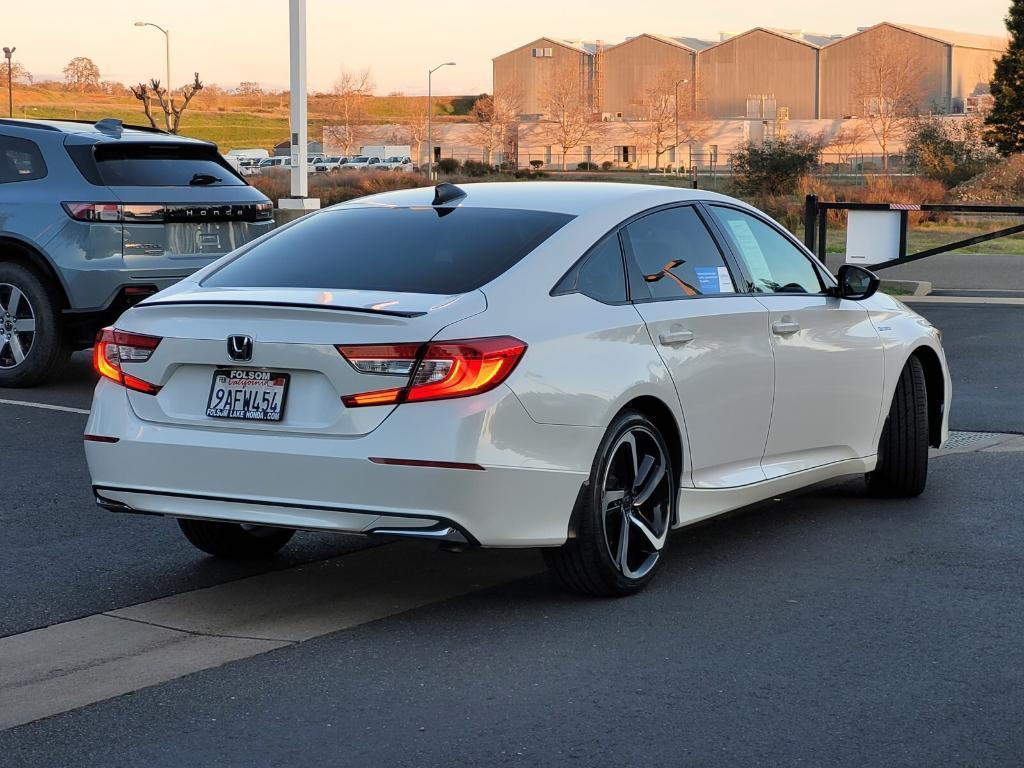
x=96, y=216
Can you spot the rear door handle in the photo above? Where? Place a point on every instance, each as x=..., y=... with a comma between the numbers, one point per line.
x=785, y=327
x=676, y=337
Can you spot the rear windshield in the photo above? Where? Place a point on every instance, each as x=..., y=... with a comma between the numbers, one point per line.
x=156, y=165
x=408, y=250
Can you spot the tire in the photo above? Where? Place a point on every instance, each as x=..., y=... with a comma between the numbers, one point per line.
x=234, y=541
x=613, y=504
x=902, y=469
x=32, y=344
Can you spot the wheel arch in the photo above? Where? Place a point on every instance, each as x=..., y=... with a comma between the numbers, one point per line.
x=935, y=385
x=16, y=251
x=658, y=412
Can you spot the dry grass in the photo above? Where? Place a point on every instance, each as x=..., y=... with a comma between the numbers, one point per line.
x=338, y=187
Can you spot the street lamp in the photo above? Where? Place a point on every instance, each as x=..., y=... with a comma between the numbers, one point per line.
x=167, y=40
x=684, y=81
x=9, y=52
x=430, y=110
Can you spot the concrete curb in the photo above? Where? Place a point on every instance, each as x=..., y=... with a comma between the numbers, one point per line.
x=915, y=287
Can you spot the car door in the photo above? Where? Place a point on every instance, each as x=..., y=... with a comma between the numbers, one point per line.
x=828, y=355
x=713, y=339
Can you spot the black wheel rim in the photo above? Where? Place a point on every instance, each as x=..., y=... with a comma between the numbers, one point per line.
x=17, y=326
x=636, y=502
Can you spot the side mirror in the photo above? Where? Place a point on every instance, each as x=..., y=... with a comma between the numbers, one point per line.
x=856, y=283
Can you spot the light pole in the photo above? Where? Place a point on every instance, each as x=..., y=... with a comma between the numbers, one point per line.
x=684, y=81
x=430, y=111
x=8, y=53
x=167, y=40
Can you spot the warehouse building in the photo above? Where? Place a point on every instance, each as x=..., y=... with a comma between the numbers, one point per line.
x=759, y=74
x=528, y=69
x=625, y=71
x=953, y=66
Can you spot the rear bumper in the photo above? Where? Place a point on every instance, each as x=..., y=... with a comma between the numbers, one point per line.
x=523, y=496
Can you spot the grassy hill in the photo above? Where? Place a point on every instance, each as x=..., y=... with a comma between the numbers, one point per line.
x=228, y=120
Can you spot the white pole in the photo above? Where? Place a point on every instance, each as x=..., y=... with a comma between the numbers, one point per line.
x=299, y=130
x=167, y=41
x=430, y=135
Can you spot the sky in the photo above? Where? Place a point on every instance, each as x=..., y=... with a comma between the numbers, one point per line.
x=228, y=41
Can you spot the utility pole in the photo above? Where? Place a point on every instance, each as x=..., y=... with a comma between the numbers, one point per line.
x=9, y=52
x=675, y=148
x=300, y=199
x=430, y=114
x=167, y=50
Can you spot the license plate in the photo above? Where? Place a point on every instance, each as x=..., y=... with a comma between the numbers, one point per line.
x=249, y=395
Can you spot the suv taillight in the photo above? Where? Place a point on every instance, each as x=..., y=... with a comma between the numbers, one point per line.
x=437, y=371
x=115, y=348
x=95, y=212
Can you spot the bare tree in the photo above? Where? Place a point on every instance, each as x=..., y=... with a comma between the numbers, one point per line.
x=173, y=110
x=351, y=90
x=19, y=75
x=496, y=118
x=889, y=88
x=81, y=74
x=847, y=141
x=249, y=88
x=570, y=117
x=414, y=125
x=655, y=131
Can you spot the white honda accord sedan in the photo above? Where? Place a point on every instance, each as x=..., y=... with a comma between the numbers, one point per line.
x=576, y=366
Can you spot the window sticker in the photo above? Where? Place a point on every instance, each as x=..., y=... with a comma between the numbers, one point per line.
x=714, y=280
x=751, y=251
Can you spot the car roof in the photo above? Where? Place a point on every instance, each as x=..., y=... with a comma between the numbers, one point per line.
x=102, y=130
x=570, y=197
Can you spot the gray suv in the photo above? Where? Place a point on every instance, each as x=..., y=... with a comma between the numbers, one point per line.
x=94, y=217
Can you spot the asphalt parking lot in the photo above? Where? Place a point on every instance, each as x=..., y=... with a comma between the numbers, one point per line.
x=827, y=628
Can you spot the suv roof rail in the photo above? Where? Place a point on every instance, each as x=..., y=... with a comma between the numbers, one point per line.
x=107, y=123
x=28, y=124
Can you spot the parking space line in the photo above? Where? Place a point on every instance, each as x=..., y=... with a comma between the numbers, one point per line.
x=45, y=406
x=71, y=665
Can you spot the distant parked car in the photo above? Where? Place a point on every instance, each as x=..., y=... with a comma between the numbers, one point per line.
x=362, y=163
x=273, y=163
x=330, y=164
x=96, y=217
x=396, y=163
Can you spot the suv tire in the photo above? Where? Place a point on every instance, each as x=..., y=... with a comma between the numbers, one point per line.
x=32, y=343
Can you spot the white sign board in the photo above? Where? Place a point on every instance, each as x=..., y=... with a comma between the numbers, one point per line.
x=872, y=237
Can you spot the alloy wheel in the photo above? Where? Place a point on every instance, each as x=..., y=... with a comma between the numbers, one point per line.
x=636, y=502
x=17, y=326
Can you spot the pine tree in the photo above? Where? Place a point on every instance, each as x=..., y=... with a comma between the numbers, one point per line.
x=1005, y=123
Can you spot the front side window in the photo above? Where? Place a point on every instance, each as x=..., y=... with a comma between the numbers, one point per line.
x=407, y=250
x=774, y=263
x=676, y=256
x=20, y=160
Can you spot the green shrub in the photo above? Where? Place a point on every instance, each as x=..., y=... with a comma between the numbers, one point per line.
x=949, y=150
x=607, y=165
x=536, y=163
x=585, y=166
x=447, y=165
x=774, y=167
x=476, y=168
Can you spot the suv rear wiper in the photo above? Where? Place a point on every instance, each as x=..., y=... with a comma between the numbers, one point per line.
x=200, y=179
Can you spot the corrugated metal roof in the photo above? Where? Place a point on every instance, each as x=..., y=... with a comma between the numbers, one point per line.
x=964, y=39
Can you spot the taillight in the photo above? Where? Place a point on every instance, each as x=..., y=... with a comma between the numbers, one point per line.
x=94, y=212
x=436, y=371
x=115, y=348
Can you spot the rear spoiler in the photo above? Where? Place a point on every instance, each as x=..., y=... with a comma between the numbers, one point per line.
x=295, y=304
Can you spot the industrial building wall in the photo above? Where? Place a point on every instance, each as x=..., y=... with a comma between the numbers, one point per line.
x=972, y=72
x=843, y=60
x=519, y=69
x=758, y=62
x=634, y=66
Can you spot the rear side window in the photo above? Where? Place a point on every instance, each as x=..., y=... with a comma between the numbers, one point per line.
x=676, y=257
x=600, y=276
x=20, y=160
x=154, y=165
x=410, y=250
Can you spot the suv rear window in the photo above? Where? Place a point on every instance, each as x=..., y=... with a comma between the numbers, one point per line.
x=154, y=165
x=20, y=160
x=407, y=250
